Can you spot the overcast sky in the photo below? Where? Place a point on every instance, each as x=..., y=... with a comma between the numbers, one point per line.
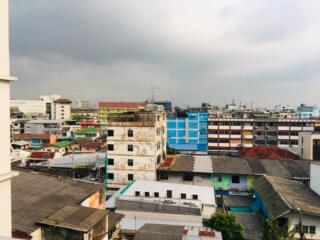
x=192, y=51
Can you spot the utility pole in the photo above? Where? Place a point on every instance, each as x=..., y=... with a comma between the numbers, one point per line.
x=301, y=232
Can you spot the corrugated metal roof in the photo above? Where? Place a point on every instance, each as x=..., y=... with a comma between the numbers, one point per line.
x=281, y=195
x=202, y=164
x=36, y=196
x=75, y=217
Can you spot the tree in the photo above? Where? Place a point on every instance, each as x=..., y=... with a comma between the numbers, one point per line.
x=272, y=230
x=172, y=151
x=227, y=225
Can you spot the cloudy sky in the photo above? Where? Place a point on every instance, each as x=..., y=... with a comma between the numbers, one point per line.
x=265, y=51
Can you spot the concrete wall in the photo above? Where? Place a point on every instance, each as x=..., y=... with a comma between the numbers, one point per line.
x=5, y=169
x=153, y=207
x=62, y=111
x=307, y=220
x=315, y=177
x=149, y=147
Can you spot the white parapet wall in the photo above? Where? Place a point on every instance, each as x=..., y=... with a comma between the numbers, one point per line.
x=5, y=169
x=315, y=177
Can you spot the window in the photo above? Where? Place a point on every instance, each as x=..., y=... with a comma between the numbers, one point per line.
x=147, y=194
x=110, y=133
x=164, y=175
x=156, y=194
x=219, y=179
x=183, y=196
x=110, y=161
x=312, y=230
x=130, y=162
x=305, y=229
x=130, y=133
x=110, y=147
x=194, y=196
x=137, y=193
x=169, y=193
x=235, y=179
x=188, y=177
x=110, y=176
x=130, y=148
x=130, y=177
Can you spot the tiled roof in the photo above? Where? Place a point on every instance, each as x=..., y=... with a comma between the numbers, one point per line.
x=280, y=195
x=32, y=136
x=120, y=105
x=268, y=152
x=42, y=155
x=88, y=143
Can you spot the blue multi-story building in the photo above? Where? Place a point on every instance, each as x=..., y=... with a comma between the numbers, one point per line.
x=188, y=131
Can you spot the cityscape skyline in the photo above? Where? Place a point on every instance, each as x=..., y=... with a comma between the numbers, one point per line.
x=205, y=51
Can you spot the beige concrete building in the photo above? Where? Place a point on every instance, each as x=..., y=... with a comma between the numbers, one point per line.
x=5, y=78
x=309, y=145
x=136, y=145
x=62, y=109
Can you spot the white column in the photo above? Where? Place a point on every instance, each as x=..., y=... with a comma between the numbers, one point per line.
x=5, y=169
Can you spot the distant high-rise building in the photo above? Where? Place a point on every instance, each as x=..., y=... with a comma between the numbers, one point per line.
x=83, y=104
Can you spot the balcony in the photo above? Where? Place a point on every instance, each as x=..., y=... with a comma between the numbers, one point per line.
x=235, y=136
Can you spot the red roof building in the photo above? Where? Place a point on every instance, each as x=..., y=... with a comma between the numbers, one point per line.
x=121, y=105
x=268, y=152
x=42, y=155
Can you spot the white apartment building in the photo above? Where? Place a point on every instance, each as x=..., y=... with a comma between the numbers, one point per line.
x=136, y=145
x=29, y=107
x=48, y=100
x=5, y=168
x=315, y=177
x=43, y=127
x=309, y=145
x=62, y=109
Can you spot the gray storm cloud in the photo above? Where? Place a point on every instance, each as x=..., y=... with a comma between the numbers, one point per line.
x=193, y=51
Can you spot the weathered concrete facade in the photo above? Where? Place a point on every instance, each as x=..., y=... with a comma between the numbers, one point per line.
x=136, y=144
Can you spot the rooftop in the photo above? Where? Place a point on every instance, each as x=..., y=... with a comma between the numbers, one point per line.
x=205, y=194
x=63, y=100
x=174, y=232
x=233, y=165
x=252, y=223
x=63, y=143
x=42, y=155
x=30, y=136
x=268, y=152
x=120, y=105
x=76, y=218
x=36, y=196
x=281, y=196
